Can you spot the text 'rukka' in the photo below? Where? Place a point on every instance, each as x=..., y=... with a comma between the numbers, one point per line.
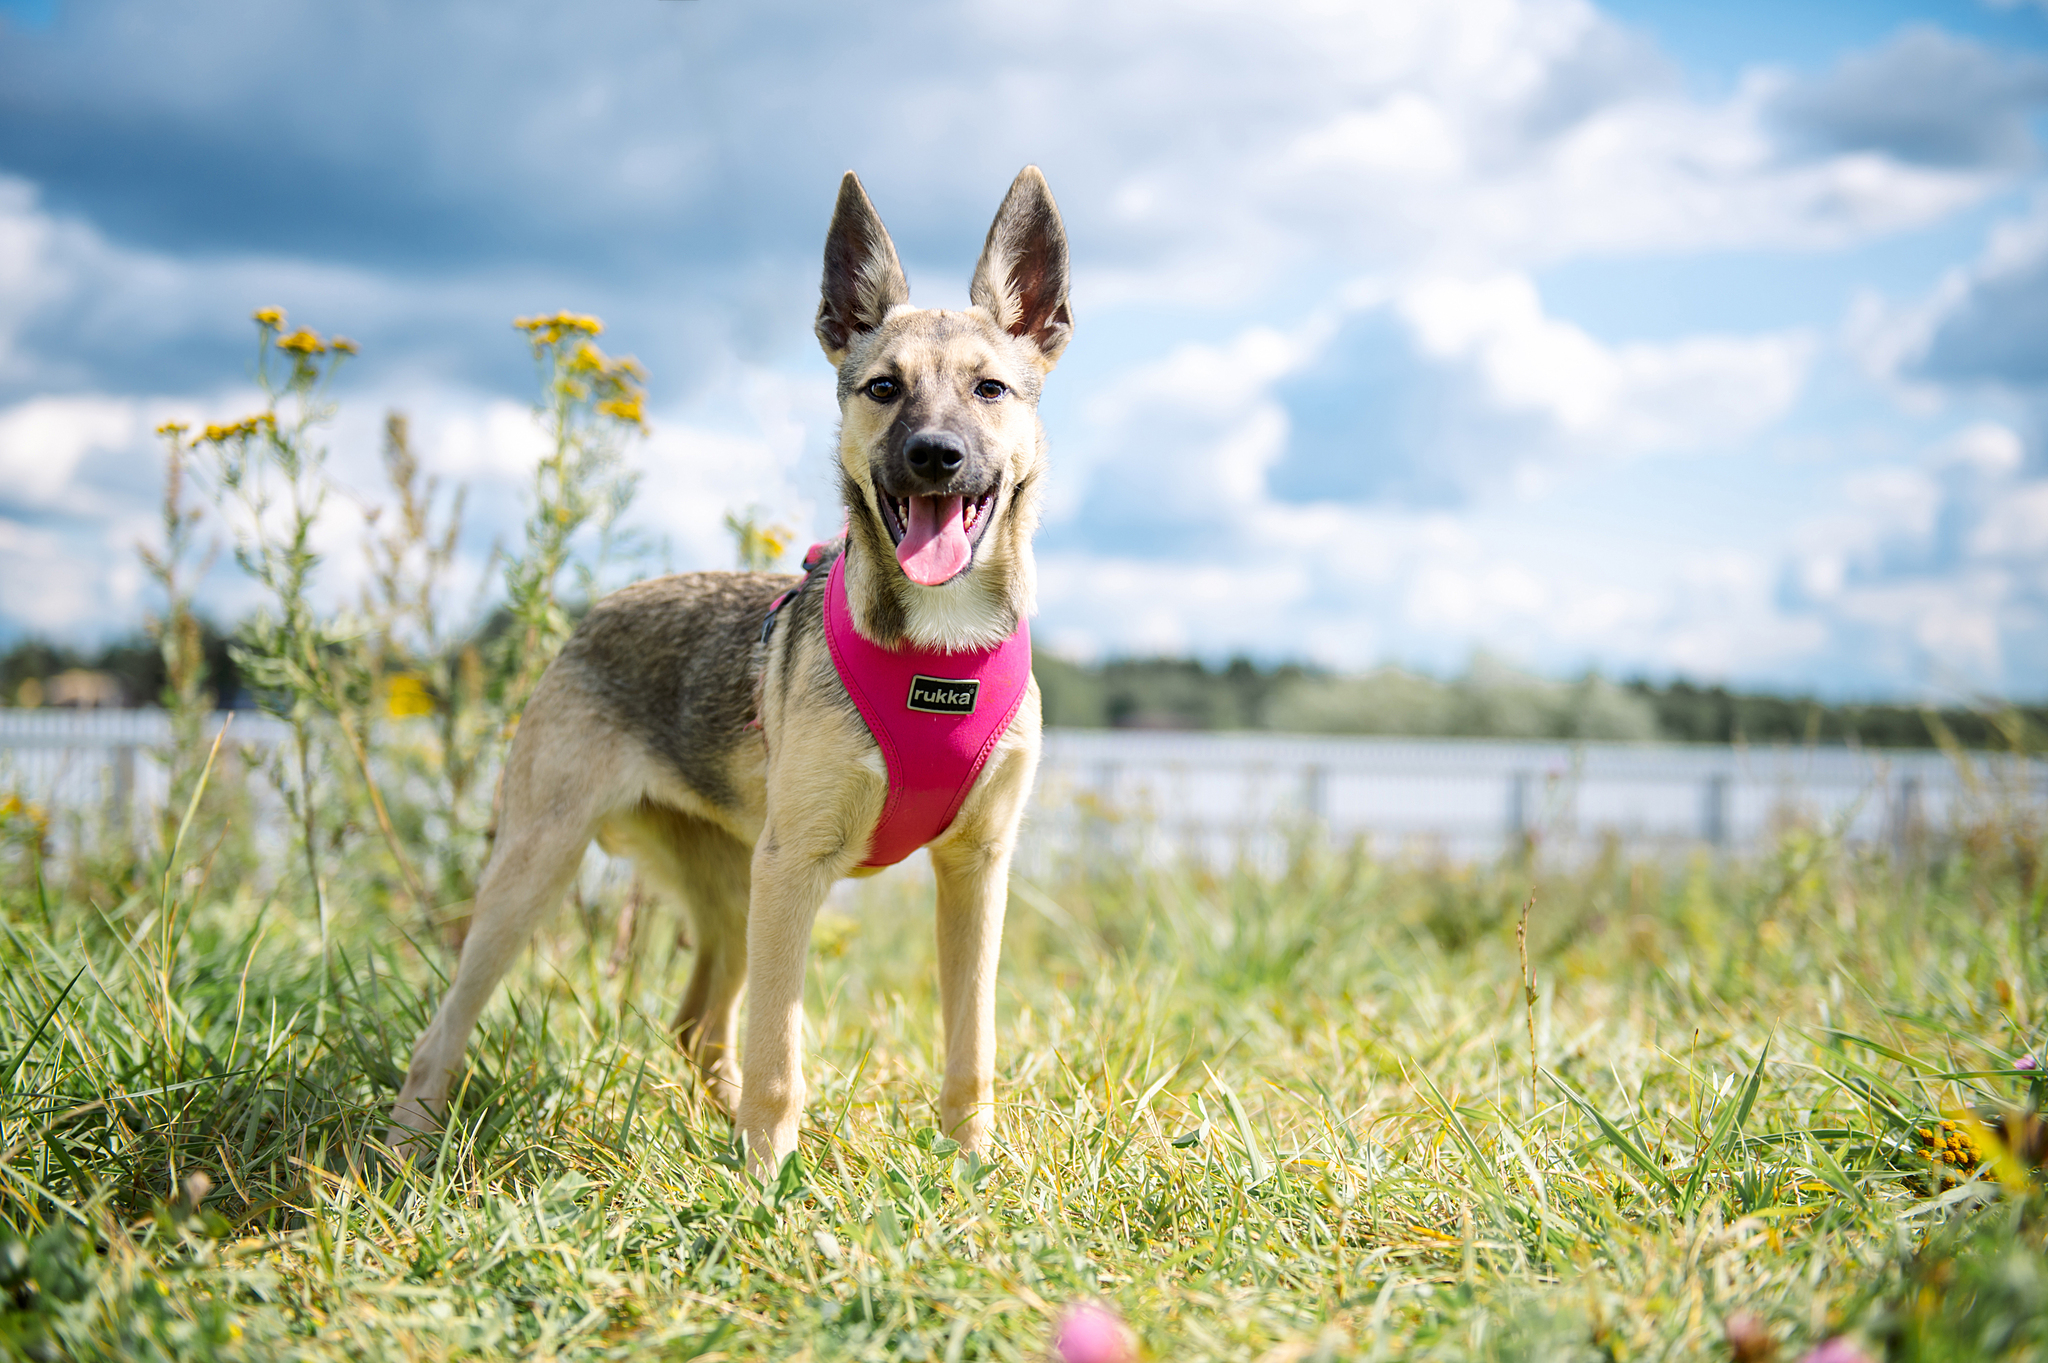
x=937, y=695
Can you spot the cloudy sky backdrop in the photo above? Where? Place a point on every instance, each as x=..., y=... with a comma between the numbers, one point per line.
x=1667, y=339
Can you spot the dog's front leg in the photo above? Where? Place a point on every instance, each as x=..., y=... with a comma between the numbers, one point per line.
x=973, y=884
x=972, y=867
x=790, y=882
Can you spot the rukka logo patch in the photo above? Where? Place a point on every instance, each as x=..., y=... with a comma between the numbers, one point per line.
x=938, y=696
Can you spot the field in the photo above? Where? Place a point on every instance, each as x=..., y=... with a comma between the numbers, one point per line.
x=1337, y=1108
x=1270, y=1117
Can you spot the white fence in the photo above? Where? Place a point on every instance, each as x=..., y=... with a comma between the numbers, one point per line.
x=105, y=764
x=1220, y=796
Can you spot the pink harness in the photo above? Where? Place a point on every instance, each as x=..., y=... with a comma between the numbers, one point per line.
x=936, y=716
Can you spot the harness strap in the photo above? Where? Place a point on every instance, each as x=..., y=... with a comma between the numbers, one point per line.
x=814, y=558
x=936, y=716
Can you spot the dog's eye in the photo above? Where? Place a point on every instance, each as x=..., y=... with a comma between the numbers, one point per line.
x=883, y=389
x=988, y=390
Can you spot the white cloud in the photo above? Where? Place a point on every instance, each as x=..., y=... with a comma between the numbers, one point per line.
x=1104, y=604
x=2015, y=528
x=80, y=471
x=1446, y=154
x=1264, y=180
x=1939, y=570
x=42, y=442
x=80, y=311
x=1188, y=437
x=1923, y=575
x=1635, y=398
x=1201, y=148
x=43, y=587
x=83, y=476
x=1178, y=456
x=1923, y=97
x=1403, y=135
x=1166, y=531
x=72, y=509
x=1364, y=586
x=1981, y=326
x=1985, y=448
x=26, y=281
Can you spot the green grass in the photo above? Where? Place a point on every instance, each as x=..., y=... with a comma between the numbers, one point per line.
x=1279, y=1118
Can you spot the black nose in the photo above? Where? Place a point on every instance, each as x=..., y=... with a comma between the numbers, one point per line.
x=935, y=454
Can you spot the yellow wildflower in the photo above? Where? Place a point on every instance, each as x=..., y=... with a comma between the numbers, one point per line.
x=269, y=317
x=302, y=342
x=247, y=426
x=408, y=695
x=547, y=329
x=12, y=807
x=343, y=345
x=1950, y=1145
x=626, y=409
x=174, y=429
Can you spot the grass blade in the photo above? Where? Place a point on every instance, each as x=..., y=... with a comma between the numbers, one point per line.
x=1731, y=1122
x=1261, y=1169
x=21, y=1056
x=1629, y=1149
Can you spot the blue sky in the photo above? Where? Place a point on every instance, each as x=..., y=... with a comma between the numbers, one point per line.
x=1676, y=340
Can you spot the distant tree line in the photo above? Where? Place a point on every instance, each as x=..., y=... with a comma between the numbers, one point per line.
x=1490, y=701
x=1493, y=701
x=134, y=665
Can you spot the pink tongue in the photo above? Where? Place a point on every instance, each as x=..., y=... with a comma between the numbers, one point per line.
x=934, y=544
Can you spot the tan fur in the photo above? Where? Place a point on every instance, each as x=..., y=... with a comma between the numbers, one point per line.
x=950, y=351
x=749, y=822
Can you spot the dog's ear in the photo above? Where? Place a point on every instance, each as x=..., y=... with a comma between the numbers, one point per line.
x=1021, y=280
x=863, y=278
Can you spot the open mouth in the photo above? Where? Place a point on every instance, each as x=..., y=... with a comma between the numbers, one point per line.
x=935, y=536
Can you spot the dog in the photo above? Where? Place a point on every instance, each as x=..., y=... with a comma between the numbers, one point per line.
x=710, y=727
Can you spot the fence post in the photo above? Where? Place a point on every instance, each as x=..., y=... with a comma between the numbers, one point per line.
x=1315, y=792
x=1908, y=816
x=1714, y=829
x=1105, y=784
x=122, y=798
x=1096, y=840
x=1521, y=818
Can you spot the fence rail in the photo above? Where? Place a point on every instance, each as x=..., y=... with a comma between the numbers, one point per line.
x=1221, y=796
x=106, y=764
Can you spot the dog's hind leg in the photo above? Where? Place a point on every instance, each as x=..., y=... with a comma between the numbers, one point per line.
x=707, y=868
x=563, y=777
x=716, y=881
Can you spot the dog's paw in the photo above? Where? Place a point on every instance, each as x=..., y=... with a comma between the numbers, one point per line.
x=415, y=1129
x=722, y=1086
